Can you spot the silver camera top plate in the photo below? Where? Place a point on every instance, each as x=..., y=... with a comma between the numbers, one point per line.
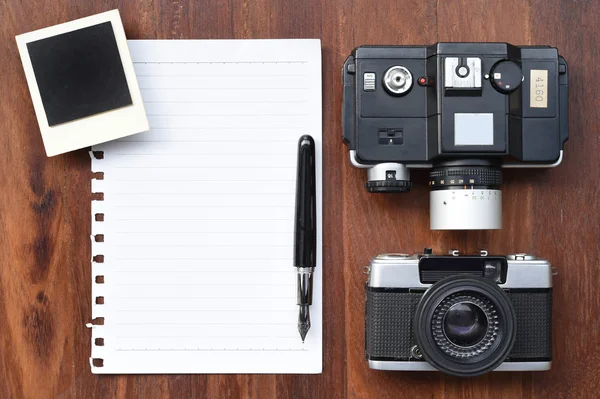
x=402, y=271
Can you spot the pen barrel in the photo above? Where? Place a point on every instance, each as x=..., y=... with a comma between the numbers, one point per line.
x=305, y=231
x=304, y=286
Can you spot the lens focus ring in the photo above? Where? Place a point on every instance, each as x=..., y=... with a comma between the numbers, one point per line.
x=461, y=176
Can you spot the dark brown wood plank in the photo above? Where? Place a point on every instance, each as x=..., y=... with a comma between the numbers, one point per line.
x=42, y=221
x=566, y=203
x=375, y=224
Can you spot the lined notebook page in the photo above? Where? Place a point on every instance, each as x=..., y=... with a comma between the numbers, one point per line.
x=195, y=272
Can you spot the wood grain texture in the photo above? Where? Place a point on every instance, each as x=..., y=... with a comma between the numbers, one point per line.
x=45, y=276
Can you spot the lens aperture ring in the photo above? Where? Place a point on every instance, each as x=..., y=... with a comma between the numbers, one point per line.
x=449, y=347
x=442, y=177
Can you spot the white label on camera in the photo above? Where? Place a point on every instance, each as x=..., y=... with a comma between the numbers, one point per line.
x=473, y=129
x=538, y=89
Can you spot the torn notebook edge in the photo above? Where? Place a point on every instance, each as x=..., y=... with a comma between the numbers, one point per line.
x=97, y=324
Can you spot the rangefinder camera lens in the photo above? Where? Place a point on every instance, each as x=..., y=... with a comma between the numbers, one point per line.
x=465, y=325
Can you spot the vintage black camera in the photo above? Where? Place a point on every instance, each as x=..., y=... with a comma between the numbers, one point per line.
x=463, y=109
x=463, y=315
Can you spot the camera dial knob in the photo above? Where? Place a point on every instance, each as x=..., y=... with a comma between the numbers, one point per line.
x=398, y=80
x=388, y=178
x=506, y=77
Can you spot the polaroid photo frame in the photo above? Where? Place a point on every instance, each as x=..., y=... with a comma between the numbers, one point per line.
x=82, y=82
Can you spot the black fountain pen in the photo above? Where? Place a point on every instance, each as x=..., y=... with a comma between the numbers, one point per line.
x=305, y=230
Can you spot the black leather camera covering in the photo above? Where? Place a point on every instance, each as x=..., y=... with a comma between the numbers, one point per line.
x=390, y=313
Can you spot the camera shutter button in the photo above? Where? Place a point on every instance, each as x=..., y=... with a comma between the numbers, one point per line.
x=520, y=257
x=506, y=77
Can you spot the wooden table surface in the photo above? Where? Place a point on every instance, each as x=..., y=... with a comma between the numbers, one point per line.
x=45, y=278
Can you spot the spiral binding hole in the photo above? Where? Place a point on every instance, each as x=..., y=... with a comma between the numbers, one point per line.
x=98, y=321
x=99, y=342
x=98, y=259
x=98, y=175
x=99, y=238
x=99, y=300
x=98, y=154
x=97, y=196
x=99, y=279
x=99, y=217
x=98, y=362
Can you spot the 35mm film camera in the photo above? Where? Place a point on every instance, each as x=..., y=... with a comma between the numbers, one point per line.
x=463, y=315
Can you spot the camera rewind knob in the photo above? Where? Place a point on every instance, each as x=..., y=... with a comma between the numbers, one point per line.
x=398, y=80
x=506, y=77
x=388, y=178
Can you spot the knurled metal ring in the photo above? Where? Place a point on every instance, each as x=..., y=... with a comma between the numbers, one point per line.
x=388, y=186
x=457, y=176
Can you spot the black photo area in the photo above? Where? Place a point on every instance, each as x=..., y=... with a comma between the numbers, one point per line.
x=79, y=73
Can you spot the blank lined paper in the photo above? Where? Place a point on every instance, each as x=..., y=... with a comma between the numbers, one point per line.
x=198, y=213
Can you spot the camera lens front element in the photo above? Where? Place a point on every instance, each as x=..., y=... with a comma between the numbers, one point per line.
x=465, y=326
x=397, y=80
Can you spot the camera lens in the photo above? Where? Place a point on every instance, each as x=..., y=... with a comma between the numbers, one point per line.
x=465, y=195
x=465, y=324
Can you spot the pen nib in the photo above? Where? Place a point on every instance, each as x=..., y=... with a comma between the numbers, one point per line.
x=303, y=321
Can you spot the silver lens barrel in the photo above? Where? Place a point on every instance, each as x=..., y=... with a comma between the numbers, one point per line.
x=465, y=209
x=465, y=195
